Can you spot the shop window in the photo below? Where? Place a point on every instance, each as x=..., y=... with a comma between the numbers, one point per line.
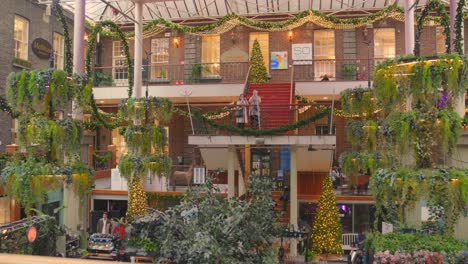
x=159, y=56
x=324, y=54
x=58, y=51
x=263, y=40
x=324, y=130
x=119, y=64
x=384, y=43
x=21, y=38
x=440, y=40
x=210, y=56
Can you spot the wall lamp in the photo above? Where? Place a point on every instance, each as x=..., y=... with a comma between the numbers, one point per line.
x=176, y=42
x=290, y=36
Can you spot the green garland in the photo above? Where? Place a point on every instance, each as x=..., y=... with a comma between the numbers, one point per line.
x=445, y=20
x=266, y=132
x=458, y=27
x=230, y=20
x=66, y=35
x=101, y=158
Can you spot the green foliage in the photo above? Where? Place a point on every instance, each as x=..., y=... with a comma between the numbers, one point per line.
x=66, y=36
x=103, y=79
x=21, y=62
x=358, y=101
x=445, y=21
x=163, y=201
x=410, y=243
x=349, y=71
x=397, y=190
x=362, y=162
x=326, y=231
x=258, y=70
x=210, y=229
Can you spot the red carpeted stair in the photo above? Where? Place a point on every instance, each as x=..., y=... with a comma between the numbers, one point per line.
x=275, y=110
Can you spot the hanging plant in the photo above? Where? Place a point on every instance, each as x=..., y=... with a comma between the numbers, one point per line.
x=449, y=130
x=354, y=133
x=358, y=101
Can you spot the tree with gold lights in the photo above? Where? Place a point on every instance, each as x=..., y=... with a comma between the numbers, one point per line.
x=326, y=231
x=146, y=141
x=258, y=70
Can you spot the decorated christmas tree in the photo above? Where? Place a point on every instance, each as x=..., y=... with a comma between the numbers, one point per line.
x=258, y=71
x=326, y=232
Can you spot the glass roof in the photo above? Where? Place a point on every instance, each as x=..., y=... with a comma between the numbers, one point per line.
x=121, y=11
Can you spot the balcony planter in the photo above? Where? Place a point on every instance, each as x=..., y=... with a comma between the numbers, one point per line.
x=349, y=72
x=160, y=80
x=20, y=63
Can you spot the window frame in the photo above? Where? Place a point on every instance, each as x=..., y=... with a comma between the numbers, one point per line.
x=158, y=71
x=324, y=64
x=58, y=54
x=120, y=71
x=212, y=70
x=24, y=43
x=374, y=41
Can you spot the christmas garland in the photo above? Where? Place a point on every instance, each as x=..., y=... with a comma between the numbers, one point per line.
x=229, y=21
x=458, y=27
x=266, y=132
x=445, y=21
x=66, y=36
x=101, y=120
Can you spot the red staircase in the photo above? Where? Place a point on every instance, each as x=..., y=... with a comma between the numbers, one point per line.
x=279, y=208
x=275, y=106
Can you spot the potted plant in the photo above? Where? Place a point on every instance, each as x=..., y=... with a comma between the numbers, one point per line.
x=349, y=71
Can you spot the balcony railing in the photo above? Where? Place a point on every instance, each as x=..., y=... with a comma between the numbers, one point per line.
x=271, y=116
x=236, y=72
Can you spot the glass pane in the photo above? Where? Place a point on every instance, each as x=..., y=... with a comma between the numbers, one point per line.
x=21, y=37
x=324, y=54
x=210, y=55
x=384, y=43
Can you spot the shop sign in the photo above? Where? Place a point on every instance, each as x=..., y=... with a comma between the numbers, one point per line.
x=41, y=48
x=31, y=234
x=302, y=53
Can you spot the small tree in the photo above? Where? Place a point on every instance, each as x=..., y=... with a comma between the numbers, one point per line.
x=326, y=231
x=258, y=70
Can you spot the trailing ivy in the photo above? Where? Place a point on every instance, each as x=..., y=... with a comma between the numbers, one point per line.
x=445, y=21
x=358, y=101
x=458, y=27
x=66, y=36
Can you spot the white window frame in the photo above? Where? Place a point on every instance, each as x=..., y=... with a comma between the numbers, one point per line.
x=119, y=64
x=324, y=63
x=24, y=41
x=211, y=67
x=377, y=44
x=159, y=55
x=59, y=43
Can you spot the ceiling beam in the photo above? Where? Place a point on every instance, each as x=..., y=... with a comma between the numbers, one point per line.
x=125, y=15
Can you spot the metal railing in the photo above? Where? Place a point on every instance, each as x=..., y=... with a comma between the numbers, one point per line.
x=237, y=72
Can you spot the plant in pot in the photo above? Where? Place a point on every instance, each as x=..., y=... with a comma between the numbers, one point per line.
x=349, y=71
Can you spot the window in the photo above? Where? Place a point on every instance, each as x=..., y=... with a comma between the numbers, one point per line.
x=119, y=64
x=440, y=40
x=210, y=56
x=384, y=43
x=21, y=38
x=58, y=51
x=263, y=40
x=324, y=54
x=159, y=55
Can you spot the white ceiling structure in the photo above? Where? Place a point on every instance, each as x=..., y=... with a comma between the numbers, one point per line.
x=121, y=11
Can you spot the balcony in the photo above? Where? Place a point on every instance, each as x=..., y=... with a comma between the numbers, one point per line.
x=236, y=72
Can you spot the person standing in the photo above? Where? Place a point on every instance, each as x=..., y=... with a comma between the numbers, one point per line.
x=254, y=109
x=104, y=224
x=241, y=112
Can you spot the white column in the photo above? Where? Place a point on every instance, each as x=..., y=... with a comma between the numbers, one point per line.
x=138, y=56
x=293, y=212
x=78, y=36
x=453, y=14
x=409, y=27
x=231, y=160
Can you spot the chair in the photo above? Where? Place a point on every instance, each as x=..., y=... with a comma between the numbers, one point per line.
x=349, y=241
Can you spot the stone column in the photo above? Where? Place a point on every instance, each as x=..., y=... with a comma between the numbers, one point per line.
x=231, y=160
x=78, y=36
x=409, y=27
x=138, y=56
x=293, y=213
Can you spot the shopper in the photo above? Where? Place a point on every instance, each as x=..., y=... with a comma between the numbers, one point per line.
x=104, y=224
x=254, y=109
x=241, y=112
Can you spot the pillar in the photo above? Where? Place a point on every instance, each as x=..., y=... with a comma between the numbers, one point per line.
x=231, y=161
x=409, y=27
x=138, y=56
x=78, y=36
x=293, y=213
x=453, y=14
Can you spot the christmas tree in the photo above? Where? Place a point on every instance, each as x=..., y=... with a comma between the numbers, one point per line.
x=137, y=199
x=326, y=231
x=258, y=71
